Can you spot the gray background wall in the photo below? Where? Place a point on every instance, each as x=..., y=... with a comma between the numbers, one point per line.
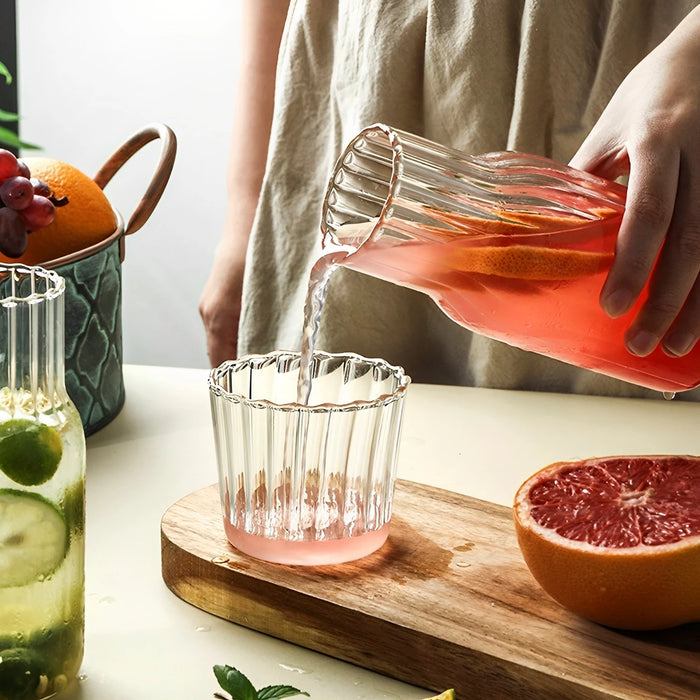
x=90, y=73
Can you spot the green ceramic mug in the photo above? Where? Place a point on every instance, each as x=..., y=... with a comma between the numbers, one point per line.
x=93, y=318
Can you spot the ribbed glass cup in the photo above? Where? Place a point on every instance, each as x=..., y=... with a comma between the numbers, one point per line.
x=307, y=483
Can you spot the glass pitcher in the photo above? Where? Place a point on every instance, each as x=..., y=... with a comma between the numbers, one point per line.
x=512, y=246
x=42, y=492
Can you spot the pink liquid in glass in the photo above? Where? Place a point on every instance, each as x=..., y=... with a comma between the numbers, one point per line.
x=307, y=552
x=309, y=527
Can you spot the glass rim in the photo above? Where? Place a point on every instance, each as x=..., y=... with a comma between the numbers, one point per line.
x=403, y=381
x=16, y=272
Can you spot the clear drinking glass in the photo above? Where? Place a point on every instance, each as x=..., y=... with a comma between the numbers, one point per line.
x=510, y=245
x=307, y=483
x=42, y=491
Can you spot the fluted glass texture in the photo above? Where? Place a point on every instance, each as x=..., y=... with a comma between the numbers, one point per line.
x=315, y=474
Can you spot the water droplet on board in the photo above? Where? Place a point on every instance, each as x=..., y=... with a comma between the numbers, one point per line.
x=466, y=547
x=462, y=564
x=202, y=628
x=219, y=560
x=294, y=669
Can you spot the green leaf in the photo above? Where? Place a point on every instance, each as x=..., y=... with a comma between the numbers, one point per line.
x=5, y=74
x=9, y=138
x=271, y=692
x=235, y=683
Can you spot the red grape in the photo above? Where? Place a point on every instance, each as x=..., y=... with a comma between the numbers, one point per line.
x=40, y=187
x=16, y=192
x=39, y=213
x=8, y=164
x=13, y=234
x=23, y=169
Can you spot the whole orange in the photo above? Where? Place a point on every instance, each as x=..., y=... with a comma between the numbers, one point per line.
x=616, y=540
x=86, y=219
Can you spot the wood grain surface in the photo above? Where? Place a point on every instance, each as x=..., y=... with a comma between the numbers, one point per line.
x=447, y=602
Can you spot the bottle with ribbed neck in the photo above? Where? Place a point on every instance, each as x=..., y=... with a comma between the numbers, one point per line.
x=512, y=246
x=42, y=492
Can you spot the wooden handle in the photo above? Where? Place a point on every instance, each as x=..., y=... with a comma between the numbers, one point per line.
x=160, y=178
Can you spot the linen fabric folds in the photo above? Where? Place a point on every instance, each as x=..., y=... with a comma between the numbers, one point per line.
x=476, y=75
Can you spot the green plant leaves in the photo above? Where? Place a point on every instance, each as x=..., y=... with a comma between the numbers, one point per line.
x=7, y=136
x=5, y=74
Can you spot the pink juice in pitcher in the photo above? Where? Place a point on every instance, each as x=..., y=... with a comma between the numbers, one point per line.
x=511, y=246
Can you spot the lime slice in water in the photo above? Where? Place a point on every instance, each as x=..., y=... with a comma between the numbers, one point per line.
x=33, y=537
x=19, y=674
x=29, y=451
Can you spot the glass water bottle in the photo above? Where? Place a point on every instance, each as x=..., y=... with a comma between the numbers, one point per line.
x=42, y=492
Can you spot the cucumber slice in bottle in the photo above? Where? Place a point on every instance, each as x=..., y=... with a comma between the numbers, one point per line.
x=33, y=537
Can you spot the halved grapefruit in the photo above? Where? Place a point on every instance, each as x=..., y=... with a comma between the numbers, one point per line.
x=616, y=540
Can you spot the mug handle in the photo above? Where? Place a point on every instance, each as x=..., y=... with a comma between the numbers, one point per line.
x=160, y=178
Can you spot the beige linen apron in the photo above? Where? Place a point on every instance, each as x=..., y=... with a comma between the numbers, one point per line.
x=477, y=75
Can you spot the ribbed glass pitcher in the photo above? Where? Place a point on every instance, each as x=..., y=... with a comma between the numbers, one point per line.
x=42, y=491
x=512, y=246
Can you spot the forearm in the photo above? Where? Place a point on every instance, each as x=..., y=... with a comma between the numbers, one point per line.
x=263, y=21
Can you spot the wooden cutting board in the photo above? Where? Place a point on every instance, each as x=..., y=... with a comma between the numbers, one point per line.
x=446, y=603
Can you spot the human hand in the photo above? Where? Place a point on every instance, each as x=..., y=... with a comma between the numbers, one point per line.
x=649, y=130
x=220, y=303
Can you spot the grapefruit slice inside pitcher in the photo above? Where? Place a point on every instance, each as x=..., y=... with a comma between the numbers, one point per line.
x=529, y=262
x=616, y=540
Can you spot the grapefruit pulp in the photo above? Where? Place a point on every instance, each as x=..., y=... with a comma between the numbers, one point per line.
x=616, y=540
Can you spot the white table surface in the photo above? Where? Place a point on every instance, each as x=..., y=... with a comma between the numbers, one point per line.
x=144, y=643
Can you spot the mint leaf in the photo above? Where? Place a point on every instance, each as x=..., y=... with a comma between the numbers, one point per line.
x=235, y=683
x=271, y=692
x=240, y=688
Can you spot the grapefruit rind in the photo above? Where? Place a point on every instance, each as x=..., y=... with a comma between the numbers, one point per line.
x=636, y=588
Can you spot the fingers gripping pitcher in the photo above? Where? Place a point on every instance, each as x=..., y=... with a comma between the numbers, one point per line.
x=512, y=246
x=42, y=486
